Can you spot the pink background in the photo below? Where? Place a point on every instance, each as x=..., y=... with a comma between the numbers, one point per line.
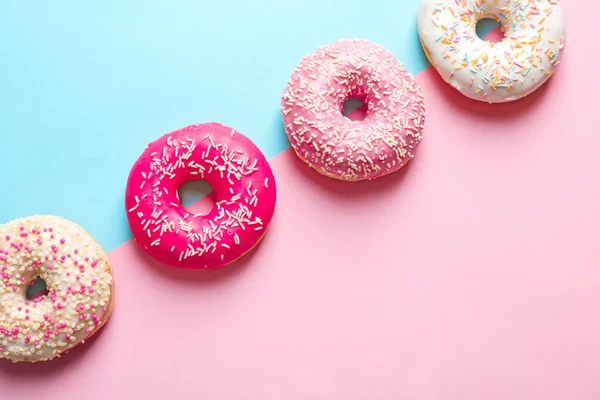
x=474, y=273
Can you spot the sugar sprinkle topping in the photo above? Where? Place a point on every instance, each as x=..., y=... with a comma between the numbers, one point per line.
x=333, y=144
x=239, y=175
x=79, y=281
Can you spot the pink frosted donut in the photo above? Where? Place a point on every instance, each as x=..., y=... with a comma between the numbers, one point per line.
x=244, y=190
x=332, y=144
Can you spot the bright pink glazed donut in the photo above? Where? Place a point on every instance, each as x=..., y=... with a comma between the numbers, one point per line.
x=334, y=145
x=244, y=190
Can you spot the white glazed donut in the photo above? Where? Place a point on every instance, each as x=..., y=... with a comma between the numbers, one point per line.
x=79, y=279
x=493, y=72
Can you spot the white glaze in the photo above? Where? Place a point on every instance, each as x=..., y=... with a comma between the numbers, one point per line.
x=493, y=72
x=79, y=279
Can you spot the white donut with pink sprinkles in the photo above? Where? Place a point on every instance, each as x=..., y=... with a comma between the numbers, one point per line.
x=80, y=293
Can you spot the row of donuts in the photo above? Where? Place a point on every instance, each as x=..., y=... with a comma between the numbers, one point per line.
x=77, y=272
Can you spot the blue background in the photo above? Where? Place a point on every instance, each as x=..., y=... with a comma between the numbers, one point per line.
x=84, y=86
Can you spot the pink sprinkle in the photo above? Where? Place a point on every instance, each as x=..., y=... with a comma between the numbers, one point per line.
x=7, y=237
x=62, y=241
x=27, y=317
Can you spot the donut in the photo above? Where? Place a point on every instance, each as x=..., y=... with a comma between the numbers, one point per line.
x=532, y=47
x=78, y=277
x=244, y=192
x=335, y=146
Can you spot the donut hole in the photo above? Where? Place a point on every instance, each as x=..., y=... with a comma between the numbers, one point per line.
x=36, y=289
x=484, y=27
x=191, y=192
x=354, y=109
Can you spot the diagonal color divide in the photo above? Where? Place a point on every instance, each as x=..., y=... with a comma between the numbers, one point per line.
x=472, y=274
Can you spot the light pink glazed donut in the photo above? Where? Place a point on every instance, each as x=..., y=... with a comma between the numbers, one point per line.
x=244, y=189
x=332, y=144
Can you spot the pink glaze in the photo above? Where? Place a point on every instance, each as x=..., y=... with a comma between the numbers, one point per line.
x=244, y=189
x=334, y=145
